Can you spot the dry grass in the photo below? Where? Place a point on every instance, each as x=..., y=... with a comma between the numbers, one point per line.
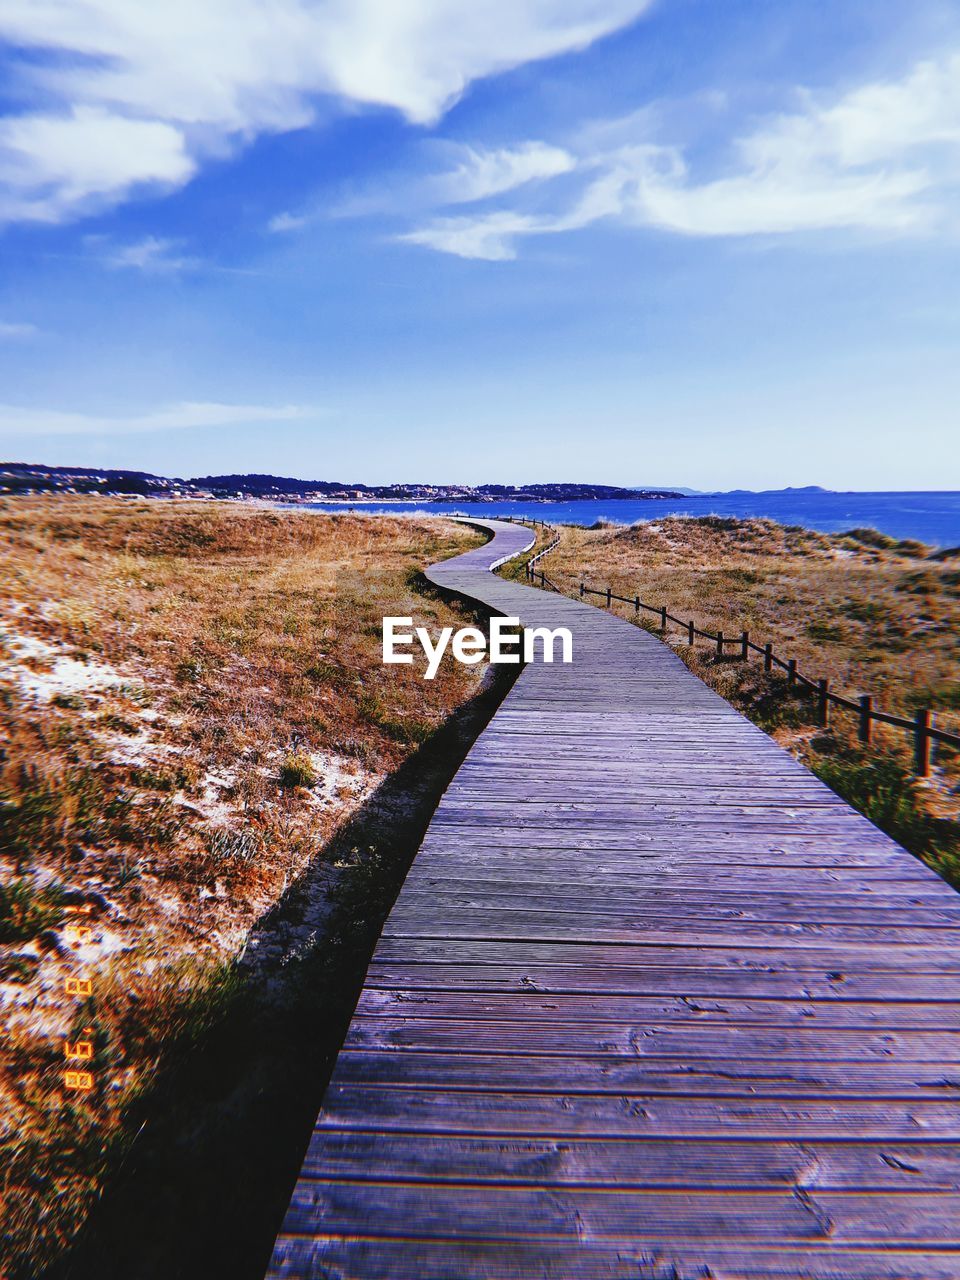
x=515, y=570
x=867, y=613
x=192, y=702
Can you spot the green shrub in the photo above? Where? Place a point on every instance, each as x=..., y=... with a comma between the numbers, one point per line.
x=742, y=577
x=297, y=771
x=824, y=631
x=944, y=696
x=44, y=812
x=405, y=729
x=884, y=792
x=26, y=911
x=863, y=610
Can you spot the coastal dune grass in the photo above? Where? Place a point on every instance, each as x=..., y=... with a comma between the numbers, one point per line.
x=192, y=705
x=867, y=612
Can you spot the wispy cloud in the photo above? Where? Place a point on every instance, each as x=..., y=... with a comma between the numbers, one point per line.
x=882, y=158
x=491, y=237
x=281, y=223
x=482, y=173
x=152, y=255
x=140, y=95
x=472, y=174
x=15, y=420
x=17, y=331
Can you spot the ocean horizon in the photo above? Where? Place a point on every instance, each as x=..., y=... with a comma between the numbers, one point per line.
x=930, y=517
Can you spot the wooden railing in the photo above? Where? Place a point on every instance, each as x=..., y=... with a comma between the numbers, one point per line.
x=920, y=726
x=544, y=528
x=541, y=553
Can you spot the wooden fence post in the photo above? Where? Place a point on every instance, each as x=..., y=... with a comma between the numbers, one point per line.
x=792, y=671
x=582, y=589
x=663, y=617
x=636, y=604
x=865, y=724
x=823, y=704
x=690, y=633
x=768, y=657
x=719, y=644
x=921, y=744
x=609, y=596
x=745, y=646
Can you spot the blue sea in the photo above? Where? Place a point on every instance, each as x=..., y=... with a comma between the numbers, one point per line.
x=933, y=518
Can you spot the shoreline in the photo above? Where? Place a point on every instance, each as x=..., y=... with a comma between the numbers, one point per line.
x=930, y=516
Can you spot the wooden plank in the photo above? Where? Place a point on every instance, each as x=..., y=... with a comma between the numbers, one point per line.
x=577, y=1010
x=653, y=1004
x=702, y=905
x=618, y=1215
x=824, y=887
x=627, y=923
x=352, y=1257
x=497, y=1112
x=570, y=979
x=738, y=957
x=670, y=1077
x=649, y=1040
x=631, y=1162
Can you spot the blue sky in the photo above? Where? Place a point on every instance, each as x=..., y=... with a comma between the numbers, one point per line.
x=702, y=242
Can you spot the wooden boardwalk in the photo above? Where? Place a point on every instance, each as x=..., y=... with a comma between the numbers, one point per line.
x=653, y=1004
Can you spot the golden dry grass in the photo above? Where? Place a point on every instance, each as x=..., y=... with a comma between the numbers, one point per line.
x=867, y=613
x=881, y=619
x=191, y=702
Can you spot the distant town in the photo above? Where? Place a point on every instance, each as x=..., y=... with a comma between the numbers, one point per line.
x=27, y=478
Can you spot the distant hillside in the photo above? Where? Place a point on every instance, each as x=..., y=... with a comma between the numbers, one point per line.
x=255, y=483
x=267, y=485
x=26, y=477
x=21, y=477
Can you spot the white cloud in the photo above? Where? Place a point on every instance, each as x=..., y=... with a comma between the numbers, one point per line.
x=53, y=166
x=144, y=92
x=492, y=236
x=281, y=223
x=154, y=255
x=12, y=331
x=871, y=125
x=15, y=420
x=489, y=236
x=882, y=158
x=473, y=173
x=653, y=188
x=481, y=174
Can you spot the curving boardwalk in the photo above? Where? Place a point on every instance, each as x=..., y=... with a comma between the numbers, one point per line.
x=653, y=1004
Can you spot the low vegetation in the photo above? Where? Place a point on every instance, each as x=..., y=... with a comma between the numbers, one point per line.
x=193, y=712
x=515, y=570
x=867, y=612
